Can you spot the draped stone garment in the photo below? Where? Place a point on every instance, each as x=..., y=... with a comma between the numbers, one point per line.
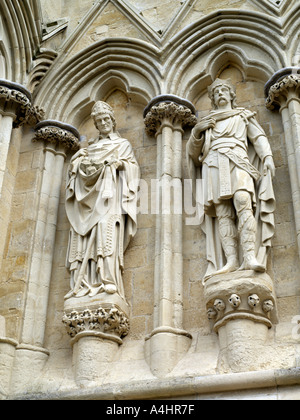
x=101, y=207
x=227, y=159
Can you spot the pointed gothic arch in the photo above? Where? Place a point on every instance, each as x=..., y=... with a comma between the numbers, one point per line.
x=129, y=62
x=102, y=89
x=291, y=29
x=247, y=37
x=21, y=35
x=220, y=58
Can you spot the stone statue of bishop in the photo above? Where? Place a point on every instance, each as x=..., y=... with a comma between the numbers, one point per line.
x=101, y=200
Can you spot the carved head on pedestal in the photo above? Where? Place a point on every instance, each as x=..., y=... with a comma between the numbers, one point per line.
x=219, y=305
x=253, y=301
x=234, y=300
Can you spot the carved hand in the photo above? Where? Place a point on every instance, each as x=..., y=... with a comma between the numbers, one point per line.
x=203, y=126
x=269, y=165
x=82, y=152
x=117, y=164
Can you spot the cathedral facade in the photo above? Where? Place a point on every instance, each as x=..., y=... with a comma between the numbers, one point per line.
x=165, y=326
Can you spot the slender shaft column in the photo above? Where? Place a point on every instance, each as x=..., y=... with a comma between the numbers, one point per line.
x=15, y=110
x=15, y=103
x=7, y=354
x=165, y=117
x=283, y=93
x=58, y=139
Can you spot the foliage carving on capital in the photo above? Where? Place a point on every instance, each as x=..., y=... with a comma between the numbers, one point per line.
x=34, y=115
x=57, y=135
x=177, y=115
x=110, y=320
x=19, y=103
x=279, y=91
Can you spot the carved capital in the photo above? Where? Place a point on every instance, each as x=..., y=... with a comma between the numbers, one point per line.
x=57, y=133
x=240, y=295
x=15, y=100
x=179, y=113
x=281, y=87
x=104, y=322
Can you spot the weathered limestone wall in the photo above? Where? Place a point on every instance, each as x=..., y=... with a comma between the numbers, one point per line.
x=126, y=53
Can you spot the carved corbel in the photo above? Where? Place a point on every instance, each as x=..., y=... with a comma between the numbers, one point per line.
x=241, y=308
x=240, y=295
x=107, y=323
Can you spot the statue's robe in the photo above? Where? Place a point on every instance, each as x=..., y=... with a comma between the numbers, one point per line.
x=227, y=159
x=101, y=208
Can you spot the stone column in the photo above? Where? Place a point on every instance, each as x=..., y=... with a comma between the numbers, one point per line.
x=283, y=94
x=7, y=354
x=16, y=109
x=30, y=353
x=165, y=117
x=15, y=105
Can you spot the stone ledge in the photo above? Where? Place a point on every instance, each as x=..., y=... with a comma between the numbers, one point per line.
x=176, y=387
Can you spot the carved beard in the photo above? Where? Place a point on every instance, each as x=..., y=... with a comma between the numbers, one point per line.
x=223, y=100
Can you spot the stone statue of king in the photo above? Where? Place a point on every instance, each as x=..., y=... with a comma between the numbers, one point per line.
x=229, y=152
